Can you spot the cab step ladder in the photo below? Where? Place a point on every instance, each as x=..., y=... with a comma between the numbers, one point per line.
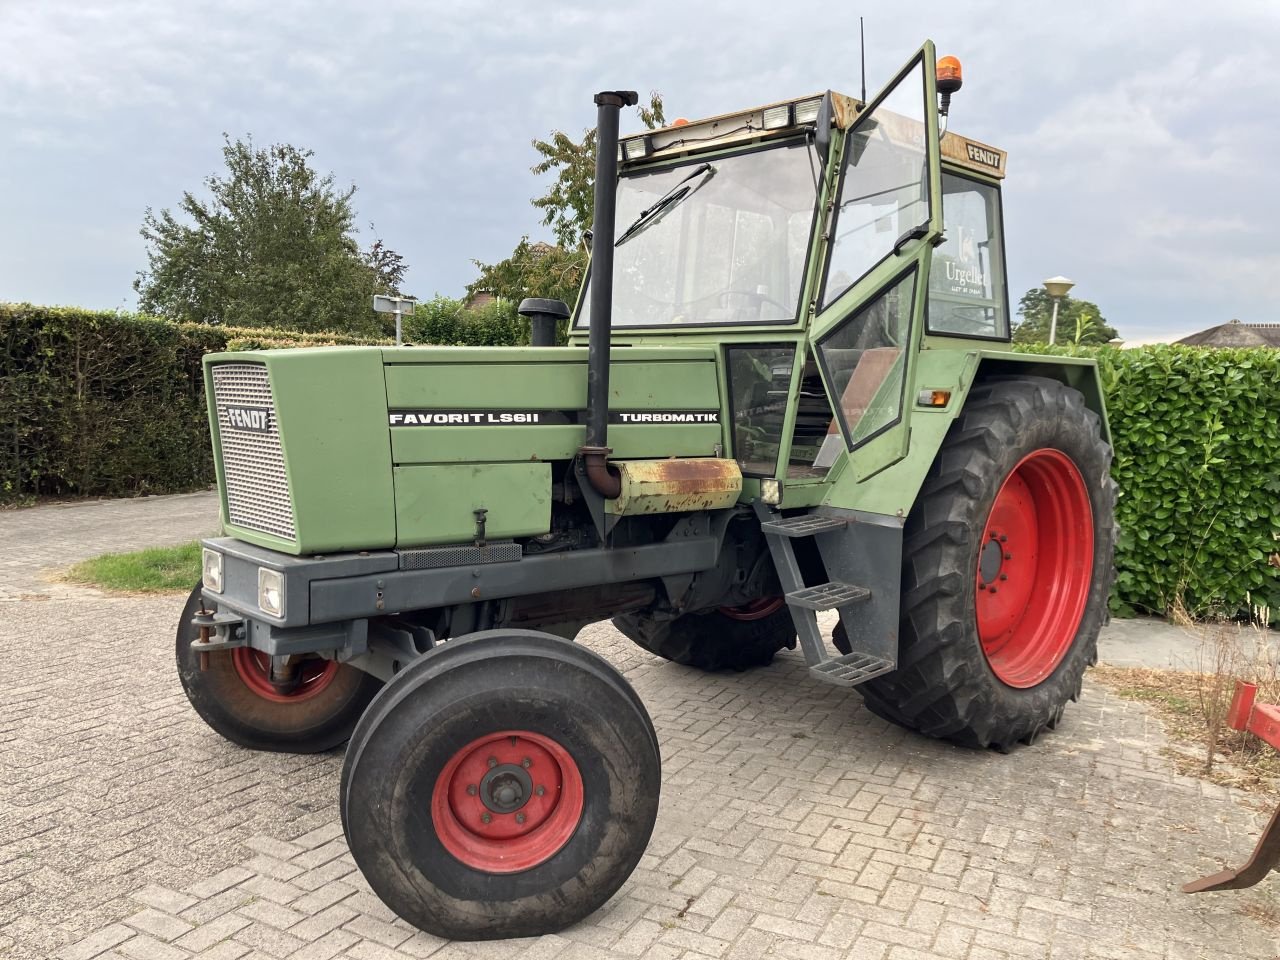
x=805, y=601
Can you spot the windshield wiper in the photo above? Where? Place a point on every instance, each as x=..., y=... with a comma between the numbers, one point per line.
x=667, y=202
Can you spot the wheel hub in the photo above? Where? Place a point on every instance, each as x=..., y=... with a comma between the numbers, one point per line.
x=506, y=789
x=990, y=559
x=507, y=801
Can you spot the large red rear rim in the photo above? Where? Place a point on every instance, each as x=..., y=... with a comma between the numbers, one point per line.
x=1034, y=568
x=254, y=669
x=507, y=801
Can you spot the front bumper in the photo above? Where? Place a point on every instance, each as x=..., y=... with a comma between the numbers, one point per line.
x=328, y=600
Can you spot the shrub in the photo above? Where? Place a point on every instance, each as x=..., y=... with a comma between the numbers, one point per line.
x=1196, y=433
x=446, y=321
x=105, y=403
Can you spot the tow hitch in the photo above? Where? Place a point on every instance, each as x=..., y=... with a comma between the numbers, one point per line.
x=1262, y=720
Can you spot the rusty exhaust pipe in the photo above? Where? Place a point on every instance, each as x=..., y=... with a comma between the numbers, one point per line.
x=595, y=451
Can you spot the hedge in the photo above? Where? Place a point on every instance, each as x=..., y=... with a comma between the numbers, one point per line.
x=103, y=403
x=1196, y=433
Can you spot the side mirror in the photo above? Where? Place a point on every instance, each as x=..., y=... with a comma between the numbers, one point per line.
x=822, y=127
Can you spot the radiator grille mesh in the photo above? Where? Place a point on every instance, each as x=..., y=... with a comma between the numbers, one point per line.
x=252, y=462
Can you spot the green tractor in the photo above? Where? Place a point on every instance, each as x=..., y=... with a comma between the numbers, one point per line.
x=787, y=389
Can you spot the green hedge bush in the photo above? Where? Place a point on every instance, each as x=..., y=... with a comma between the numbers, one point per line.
x=1196, y=433
x=103, y=403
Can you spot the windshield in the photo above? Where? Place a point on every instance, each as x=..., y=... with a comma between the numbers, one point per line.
x=719, y=241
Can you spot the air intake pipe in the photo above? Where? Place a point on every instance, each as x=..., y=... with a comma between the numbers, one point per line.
x=595, y=452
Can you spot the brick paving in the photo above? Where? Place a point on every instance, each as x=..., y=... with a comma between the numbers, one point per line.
x=793, y=823
x=36, y=542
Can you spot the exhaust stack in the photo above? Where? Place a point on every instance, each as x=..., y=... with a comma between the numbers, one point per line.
x=595, y=452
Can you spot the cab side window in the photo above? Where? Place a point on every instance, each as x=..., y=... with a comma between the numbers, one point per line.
x=967, y=292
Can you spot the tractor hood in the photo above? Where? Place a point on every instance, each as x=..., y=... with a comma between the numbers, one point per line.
x=353, y=448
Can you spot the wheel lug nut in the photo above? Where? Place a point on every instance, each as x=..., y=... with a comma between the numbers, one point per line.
x=991, y=589
x=1004, y=576
x=471, y=790
x=540, y=791
x=526, y=763
x=1003, y=538
x=519, y=818
x=1008, y=556
x=485, y=818
x=493, y=762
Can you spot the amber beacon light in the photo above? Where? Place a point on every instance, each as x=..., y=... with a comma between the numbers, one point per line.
x=950, y=79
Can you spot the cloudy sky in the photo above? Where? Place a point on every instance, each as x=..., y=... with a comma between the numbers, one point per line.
x=1138, y=131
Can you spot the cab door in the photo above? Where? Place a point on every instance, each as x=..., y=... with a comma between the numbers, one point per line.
x=885, y=221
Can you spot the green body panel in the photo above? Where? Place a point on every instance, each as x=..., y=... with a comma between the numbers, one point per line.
x=893, y=489
x=358, y=483
x=331, y=405
x=437, y=504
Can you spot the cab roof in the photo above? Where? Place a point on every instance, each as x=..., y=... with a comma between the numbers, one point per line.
x=786, y=117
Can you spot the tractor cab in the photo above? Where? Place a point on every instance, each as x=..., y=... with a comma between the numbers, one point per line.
x=820, y=243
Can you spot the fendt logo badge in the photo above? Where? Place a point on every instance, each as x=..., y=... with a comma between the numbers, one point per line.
x=988, y=158
x=254, y=419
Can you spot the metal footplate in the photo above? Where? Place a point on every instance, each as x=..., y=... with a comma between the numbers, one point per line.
x=829, y=596
x=805, y=525
x=851, y=669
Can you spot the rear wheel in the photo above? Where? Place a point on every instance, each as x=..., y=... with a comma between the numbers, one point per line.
x=234, y=695
x=727, y=638
x=1007, y=566
x=503, y=785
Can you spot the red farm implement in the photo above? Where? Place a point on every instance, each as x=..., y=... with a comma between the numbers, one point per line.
x=1262, y=720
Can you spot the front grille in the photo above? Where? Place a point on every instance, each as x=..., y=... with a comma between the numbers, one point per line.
x=460, y=555
x=252, y=460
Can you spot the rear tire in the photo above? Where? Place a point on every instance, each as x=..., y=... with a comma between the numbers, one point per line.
x=234, y=697
x=440, y=789
x=721, y=639
x=1007, y=568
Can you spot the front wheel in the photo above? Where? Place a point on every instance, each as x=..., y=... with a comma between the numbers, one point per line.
x=1007, y=567
x=234, y=695
x=503, y=785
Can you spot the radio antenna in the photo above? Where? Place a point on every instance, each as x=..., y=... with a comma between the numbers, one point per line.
x=862, y=45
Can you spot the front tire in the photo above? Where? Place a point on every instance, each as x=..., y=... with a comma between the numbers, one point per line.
x=234, y=696
x=1007, y=567
x=503, y=785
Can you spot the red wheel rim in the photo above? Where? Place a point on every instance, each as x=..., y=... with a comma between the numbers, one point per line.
x=1034, y=568
x=507, y=801
x=254, y=668
x=755, y=610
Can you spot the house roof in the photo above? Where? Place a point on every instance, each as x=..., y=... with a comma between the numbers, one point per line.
x=1236, y=334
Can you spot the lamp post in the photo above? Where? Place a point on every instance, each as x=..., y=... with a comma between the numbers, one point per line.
x=1057, y=287
x=397, y=305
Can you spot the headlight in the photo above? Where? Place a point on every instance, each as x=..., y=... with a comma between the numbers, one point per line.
x=271, y=592
x=211, y=570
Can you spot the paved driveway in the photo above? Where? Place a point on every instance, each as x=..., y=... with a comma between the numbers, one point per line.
x=793, y=823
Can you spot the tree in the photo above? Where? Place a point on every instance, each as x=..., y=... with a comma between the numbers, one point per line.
x=533, y=270
x=274, y=246
x=539, y=269
x=1079, y=321
x=568, y=205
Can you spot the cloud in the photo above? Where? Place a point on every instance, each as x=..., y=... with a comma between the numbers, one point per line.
x=1138, y=133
